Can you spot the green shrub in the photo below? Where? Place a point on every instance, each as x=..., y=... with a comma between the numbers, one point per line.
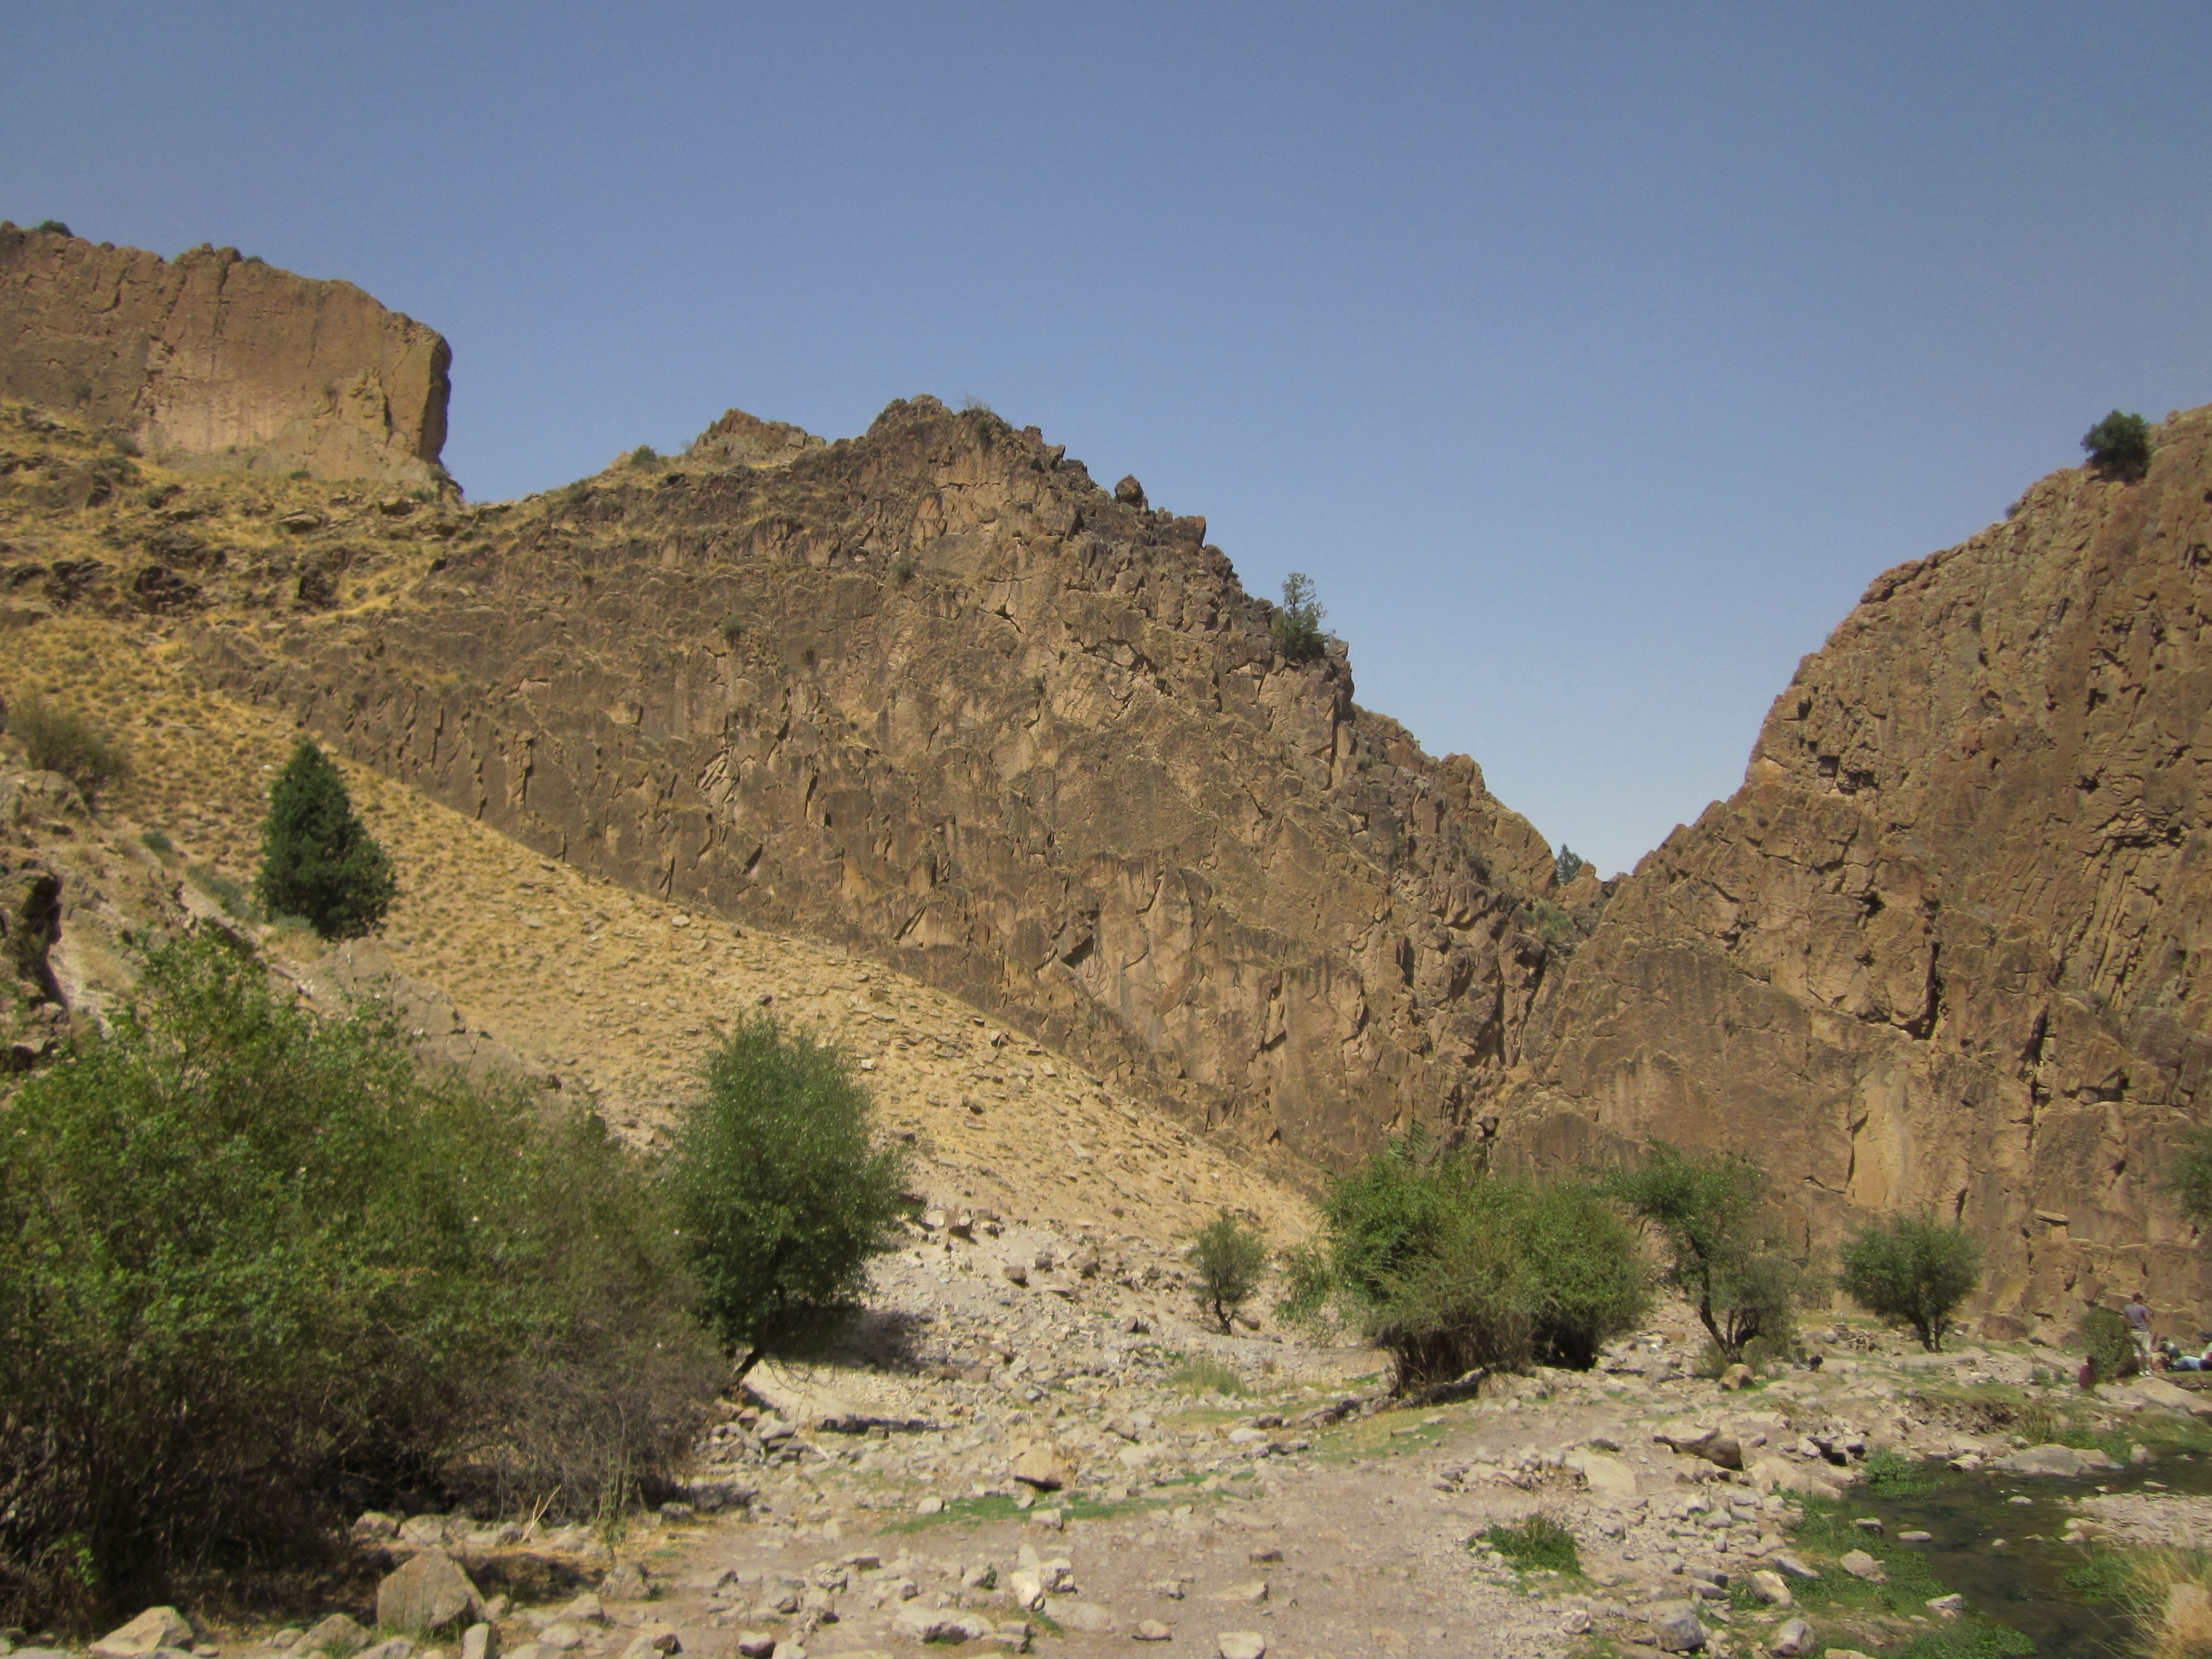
x=53, y=225
x=318, y=860
x=1911, y=1270
x=1539, y=1542
x=2119, y=445
x=734, y=630
x=1569, y=864
x=902, y=569
x=1208, y=1376
x=258, y=1273
x=2112, y=1351
x=1705, y=1210
x=62, y=740
x=157, y=842
x=2192, y=1179
x=643, y=455
x=234, y=897
x=1453, y=1269
x=1888, y=1475
x=781, y=1198
x=1228, y=1258
x=1296, y=625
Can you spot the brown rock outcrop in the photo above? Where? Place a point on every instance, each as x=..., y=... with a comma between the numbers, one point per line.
x=1947, y=946
x=935, y=694
x=215, y=359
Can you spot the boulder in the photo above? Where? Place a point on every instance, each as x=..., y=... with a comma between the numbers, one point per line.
x=1044, y=1467
x=156, y=1627
x=1240, y=1644
x=1767, y=1587
x=627, y=1583
x=1792, y=1639
x=337, y=1635
x=2053, y=1460
x=1151, y=1629
x=1860, y=1565
x=480, y=1641
x=1682, y=1633
x=430, y=1594
x=1611, y=1479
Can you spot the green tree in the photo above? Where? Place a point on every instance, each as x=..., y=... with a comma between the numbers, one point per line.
x=1296, y=624
x=318, y=860
x=2113, y=1353
x=2119, y=445
x=1705, y=1210
x=1453, y=1269
x=780, y=1194
x=1911, y=1270
x=256, y=1271
x=2191, y=1181
x=1228, y=1258
x=1569, y=864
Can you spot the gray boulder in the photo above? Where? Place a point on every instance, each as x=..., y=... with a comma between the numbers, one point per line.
x=1791, y=1640
x=155, y=1628
x=428, y=1595
x=337, y=1635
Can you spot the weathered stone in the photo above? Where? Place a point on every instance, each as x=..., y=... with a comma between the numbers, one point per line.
x=337, y=1635
x=480, y=1641
x=1044, y=1467
x=1240, y=1644
x=1683, y=1633
x=755, y=1644
x=1792, y=1639
x=1089, y=1617
x=628, y=1581
x=2053, y=1460
x=1785, y=1561
x=1950, y=1607
x=586, y=1608
x=427, y=1595
x=1767, y=1587
x=156, y=1627
x=1860, y=1565
x=215, y=359
x=1151, y=1629
x=398, y=1648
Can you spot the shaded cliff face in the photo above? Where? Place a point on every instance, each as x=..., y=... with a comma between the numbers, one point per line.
x=1947, y=945
x=933, y=693
x=216, y=359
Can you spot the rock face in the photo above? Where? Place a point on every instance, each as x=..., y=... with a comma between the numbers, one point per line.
x=213, y=358
x=935, y=694
x=1947, y=946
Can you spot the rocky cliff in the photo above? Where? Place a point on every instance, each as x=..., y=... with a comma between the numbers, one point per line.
x=214, y=358
x=1947, y=946
x=933, y=693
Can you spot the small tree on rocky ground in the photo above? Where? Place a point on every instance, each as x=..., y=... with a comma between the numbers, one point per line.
x=1911, y=1270
x=1568, y=865
x=318, y=862
x=2192, y=1179
x=1296, y=624
x=1228, y=1258
x=1455, y=1270
x=2111, y=1347
x=2119, y=445
x=780, y=1194
x=1705, y=1210
x=56, y=739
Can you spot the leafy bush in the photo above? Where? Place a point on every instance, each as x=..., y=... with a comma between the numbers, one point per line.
x=62, y=740
x=1208, y=1376
x=2119, y=445
x=1453, y=1269
x=2192, y=1179
x=644, y=455
x=232, y=897
x=157, y=842
x=1705, y=1211
x=1539, y=1541
x=1228, y=1259
x=780, y=1197
x=1569, y=864
x=318, y=860
x=53, y=225
x=1911, y=1270
x=1889, y=1475
x=1296, y=625
x=260, y=1272
x=2112, y=1351
x=902, y=569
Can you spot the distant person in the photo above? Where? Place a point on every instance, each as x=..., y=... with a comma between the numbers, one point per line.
x=2138, y=1317
x=2177, y=1361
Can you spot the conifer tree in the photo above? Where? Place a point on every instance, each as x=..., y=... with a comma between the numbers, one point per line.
x=318, y=860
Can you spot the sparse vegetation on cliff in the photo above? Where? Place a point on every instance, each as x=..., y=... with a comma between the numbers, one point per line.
x=1296, y=624
x=2119, y=445
x=57, y=740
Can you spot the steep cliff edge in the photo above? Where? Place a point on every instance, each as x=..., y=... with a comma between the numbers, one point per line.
x=1947, y=945
x=935, y=694
x=215, y=359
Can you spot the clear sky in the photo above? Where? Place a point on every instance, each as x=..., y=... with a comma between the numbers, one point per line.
x=1591, y=358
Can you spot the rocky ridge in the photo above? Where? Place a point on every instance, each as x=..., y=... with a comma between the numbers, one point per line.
x=1945, y=948
x=212, y=358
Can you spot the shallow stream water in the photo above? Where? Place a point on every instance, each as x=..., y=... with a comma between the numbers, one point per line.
x=2023, y=1583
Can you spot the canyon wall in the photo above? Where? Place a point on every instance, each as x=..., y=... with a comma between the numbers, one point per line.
x=214, y=359
x=1947, y=947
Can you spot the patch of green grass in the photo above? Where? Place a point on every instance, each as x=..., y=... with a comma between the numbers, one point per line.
x=2103, y=1577
x=231, y=895
x=1888, y=1475
x=1208, y=1376
x=1826, y=1530
x=1971, y=1639
x=1539, y=1543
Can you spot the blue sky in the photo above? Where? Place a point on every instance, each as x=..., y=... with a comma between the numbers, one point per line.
x=1591, y=358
